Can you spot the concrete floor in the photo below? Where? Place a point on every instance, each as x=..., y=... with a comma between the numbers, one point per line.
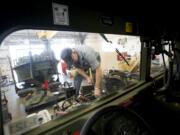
x=16, y=108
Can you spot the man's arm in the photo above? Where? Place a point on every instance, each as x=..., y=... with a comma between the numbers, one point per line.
x=81, y=72
x=98, y=89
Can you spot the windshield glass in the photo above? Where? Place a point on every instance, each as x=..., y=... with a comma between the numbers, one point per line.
x=44, y=75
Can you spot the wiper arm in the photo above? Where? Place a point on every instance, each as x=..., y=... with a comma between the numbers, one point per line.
x=108, y=41
x=122, y=57
x=105, y=38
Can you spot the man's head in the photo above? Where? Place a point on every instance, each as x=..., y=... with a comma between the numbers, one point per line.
x=70, y=56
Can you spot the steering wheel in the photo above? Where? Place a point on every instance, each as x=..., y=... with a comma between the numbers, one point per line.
x=115, y=120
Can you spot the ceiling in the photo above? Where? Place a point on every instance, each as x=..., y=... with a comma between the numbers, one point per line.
x=31, y=36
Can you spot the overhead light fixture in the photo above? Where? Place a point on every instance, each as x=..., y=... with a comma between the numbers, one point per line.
x=46, y=34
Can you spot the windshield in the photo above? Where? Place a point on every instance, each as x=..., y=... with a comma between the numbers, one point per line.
x=37, y=85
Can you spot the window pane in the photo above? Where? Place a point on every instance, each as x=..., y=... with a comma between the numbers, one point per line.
x=157, y=63
x=39, y=86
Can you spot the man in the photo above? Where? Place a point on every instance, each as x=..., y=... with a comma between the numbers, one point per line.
x=82, y=58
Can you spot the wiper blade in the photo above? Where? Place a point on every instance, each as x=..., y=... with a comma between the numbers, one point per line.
x=122, y=57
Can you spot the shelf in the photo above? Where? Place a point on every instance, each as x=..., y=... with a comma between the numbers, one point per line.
x=34, y=62
x=22, y=65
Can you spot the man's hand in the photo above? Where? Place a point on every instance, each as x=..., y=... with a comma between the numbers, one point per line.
x=97, y=92
x=81, y=72
x=89, y=80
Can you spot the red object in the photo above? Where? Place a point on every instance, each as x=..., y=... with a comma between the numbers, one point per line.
x=64, y=67
x=119, y=58
x=46, y=85
x=76, y=133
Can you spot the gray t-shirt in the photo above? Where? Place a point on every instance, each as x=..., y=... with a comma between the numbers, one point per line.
x=88, y=57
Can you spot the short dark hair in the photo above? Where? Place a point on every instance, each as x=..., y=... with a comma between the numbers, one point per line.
x=66, y=56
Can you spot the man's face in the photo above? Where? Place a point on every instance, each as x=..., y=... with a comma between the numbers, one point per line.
x=74, y=57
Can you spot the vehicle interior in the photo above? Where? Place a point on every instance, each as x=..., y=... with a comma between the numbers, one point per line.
x=140, y=62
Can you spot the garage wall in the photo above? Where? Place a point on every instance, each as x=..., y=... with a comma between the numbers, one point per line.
x=107, y=51
x=4, y=63
x=108, y=59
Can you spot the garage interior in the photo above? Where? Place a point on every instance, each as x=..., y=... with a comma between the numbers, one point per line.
x=37, y=89
x=23, y=87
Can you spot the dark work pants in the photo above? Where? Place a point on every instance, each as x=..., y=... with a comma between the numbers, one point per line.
x=77, y=83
